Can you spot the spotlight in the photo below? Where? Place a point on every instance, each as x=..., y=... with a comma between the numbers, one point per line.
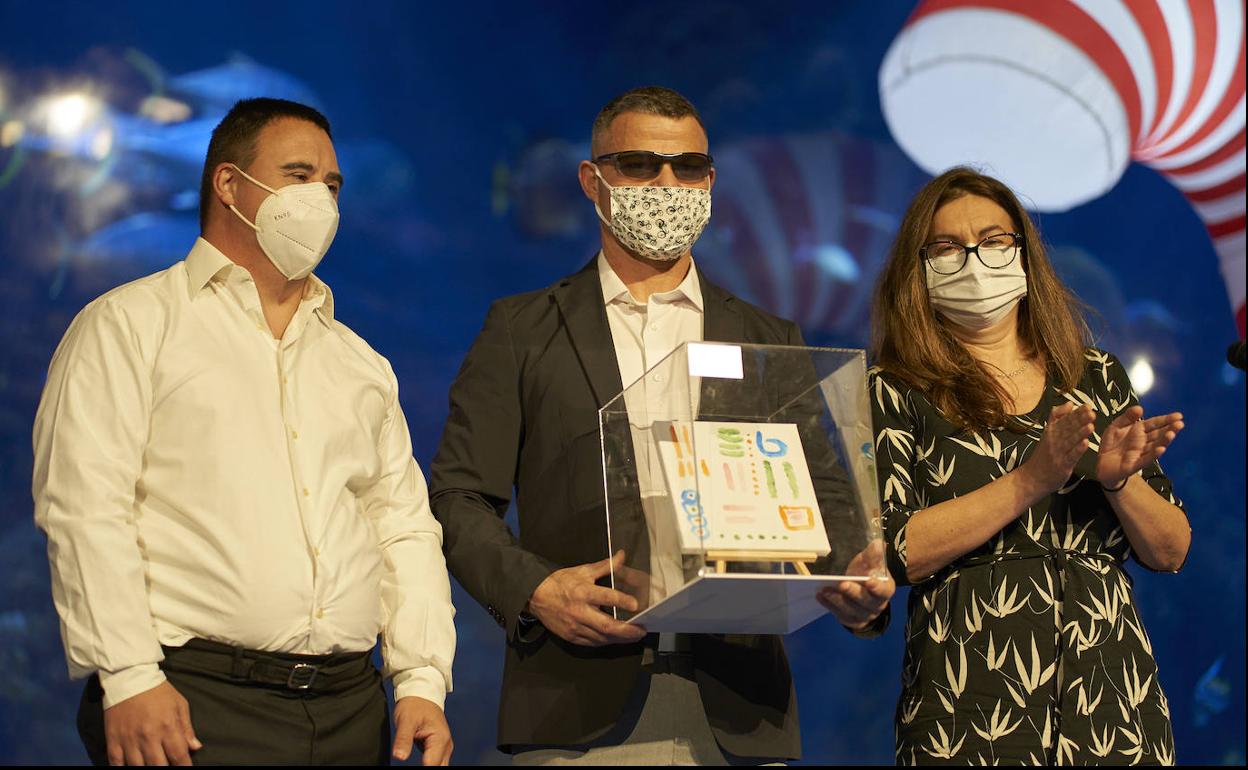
x=67, y=115
x=1141, y=374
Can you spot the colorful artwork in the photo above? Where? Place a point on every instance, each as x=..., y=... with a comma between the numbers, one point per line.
x=754, y=491
x=694, y=521
x=797, y=517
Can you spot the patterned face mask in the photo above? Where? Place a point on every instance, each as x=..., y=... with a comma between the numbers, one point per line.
x=659, y=223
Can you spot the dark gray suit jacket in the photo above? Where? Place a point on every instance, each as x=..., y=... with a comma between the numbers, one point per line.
x=524, y=416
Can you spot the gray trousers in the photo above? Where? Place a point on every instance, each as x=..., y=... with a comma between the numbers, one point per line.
x=664, y=723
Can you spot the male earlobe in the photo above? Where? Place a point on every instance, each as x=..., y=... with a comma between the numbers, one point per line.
x=224, y=187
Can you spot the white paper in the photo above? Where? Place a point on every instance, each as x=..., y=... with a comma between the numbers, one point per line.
x=722, y=361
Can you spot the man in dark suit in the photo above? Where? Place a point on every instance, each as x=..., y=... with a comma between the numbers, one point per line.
x=579, y=685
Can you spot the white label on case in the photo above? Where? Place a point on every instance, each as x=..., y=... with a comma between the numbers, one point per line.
x=723, y=361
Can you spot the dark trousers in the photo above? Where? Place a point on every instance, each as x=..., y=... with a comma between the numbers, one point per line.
x=663, y=723
x=245, y=712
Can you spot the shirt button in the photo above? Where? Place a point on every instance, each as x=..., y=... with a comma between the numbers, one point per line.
x=294, y=434
x=658, y=378
x=654, y=327
x=306, y=492
x=320, y=612
x=316, y=551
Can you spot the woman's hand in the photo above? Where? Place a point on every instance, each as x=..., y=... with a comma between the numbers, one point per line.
x=1064, y=441
x=942, y=533
x=1130, y=443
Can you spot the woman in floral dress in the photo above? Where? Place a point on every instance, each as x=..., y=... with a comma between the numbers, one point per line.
x=1018, y=474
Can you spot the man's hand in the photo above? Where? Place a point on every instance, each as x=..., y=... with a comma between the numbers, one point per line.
x=635, y=583
x=151, y=728
x=569, y=603
x=856, y=604
x=421, y=721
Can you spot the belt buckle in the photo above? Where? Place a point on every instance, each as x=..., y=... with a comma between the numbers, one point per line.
x=302, y=675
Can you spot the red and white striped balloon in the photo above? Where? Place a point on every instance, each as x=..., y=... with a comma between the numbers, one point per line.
x=1056, y=97
x=801, y=224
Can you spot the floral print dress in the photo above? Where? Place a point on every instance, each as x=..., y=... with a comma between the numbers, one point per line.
x=1028, y=649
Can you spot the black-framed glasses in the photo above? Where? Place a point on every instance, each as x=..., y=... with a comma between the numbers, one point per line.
x=644, y=164
x=994, y=252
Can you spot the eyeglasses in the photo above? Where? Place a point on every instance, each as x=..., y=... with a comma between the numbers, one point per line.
x=995, y=252
x=644, y=165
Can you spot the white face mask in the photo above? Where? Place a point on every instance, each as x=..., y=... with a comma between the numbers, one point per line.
x=976, y=297
x=294, y=225
x=659, y=223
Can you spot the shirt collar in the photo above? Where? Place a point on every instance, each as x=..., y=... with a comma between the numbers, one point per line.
x=318, y=292
x=614, y=290
x=206, y=262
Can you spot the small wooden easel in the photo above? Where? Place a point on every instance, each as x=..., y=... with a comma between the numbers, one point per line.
x=796, y=558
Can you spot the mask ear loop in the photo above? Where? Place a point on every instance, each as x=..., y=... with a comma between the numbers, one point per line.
x=247, y=222
x=257, y=183
x=607, y=185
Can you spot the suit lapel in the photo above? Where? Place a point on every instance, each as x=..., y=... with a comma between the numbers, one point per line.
x=722, y=320
x=579, y=299
x=580, y=302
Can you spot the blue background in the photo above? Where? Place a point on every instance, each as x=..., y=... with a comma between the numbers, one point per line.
x=458, y=128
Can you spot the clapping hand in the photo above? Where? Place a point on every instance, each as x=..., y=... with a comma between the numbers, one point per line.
x=1065, y=439
x=1131, y=443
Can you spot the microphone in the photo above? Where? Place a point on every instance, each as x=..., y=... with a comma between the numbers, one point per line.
x=1235, y=354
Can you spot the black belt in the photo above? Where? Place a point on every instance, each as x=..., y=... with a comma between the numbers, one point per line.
x=299, y=673
x=1058, y=555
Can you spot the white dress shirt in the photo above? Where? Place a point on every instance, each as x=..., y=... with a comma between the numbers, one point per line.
x=644, y=333
x=196, y=477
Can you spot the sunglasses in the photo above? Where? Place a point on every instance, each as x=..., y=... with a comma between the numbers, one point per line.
x=643, y=164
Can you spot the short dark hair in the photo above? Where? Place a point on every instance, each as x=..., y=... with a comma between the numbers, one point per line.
x=653, y=100
x=234, y=138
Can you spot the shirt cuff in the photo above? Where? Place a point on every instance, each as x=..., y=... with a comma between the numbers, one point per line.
x=875, y=628
x=128, y=682
x=426, y=682
x=528, y=628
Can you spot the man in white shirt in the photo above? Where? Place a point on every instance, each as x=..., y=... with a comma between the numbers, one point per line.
x=226, y=481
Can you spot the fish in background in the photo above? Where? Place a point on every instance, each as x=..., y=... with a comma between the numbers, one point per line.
x=1211, y=696
x=117, y=179
x=539, y=193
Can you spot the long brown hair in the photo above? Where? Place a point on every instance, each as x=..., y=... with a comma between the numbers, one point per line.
x=911, y=341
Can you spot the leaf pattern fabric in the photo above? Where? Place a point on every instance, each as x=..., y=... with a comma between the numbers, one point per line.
x=1028, y=649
